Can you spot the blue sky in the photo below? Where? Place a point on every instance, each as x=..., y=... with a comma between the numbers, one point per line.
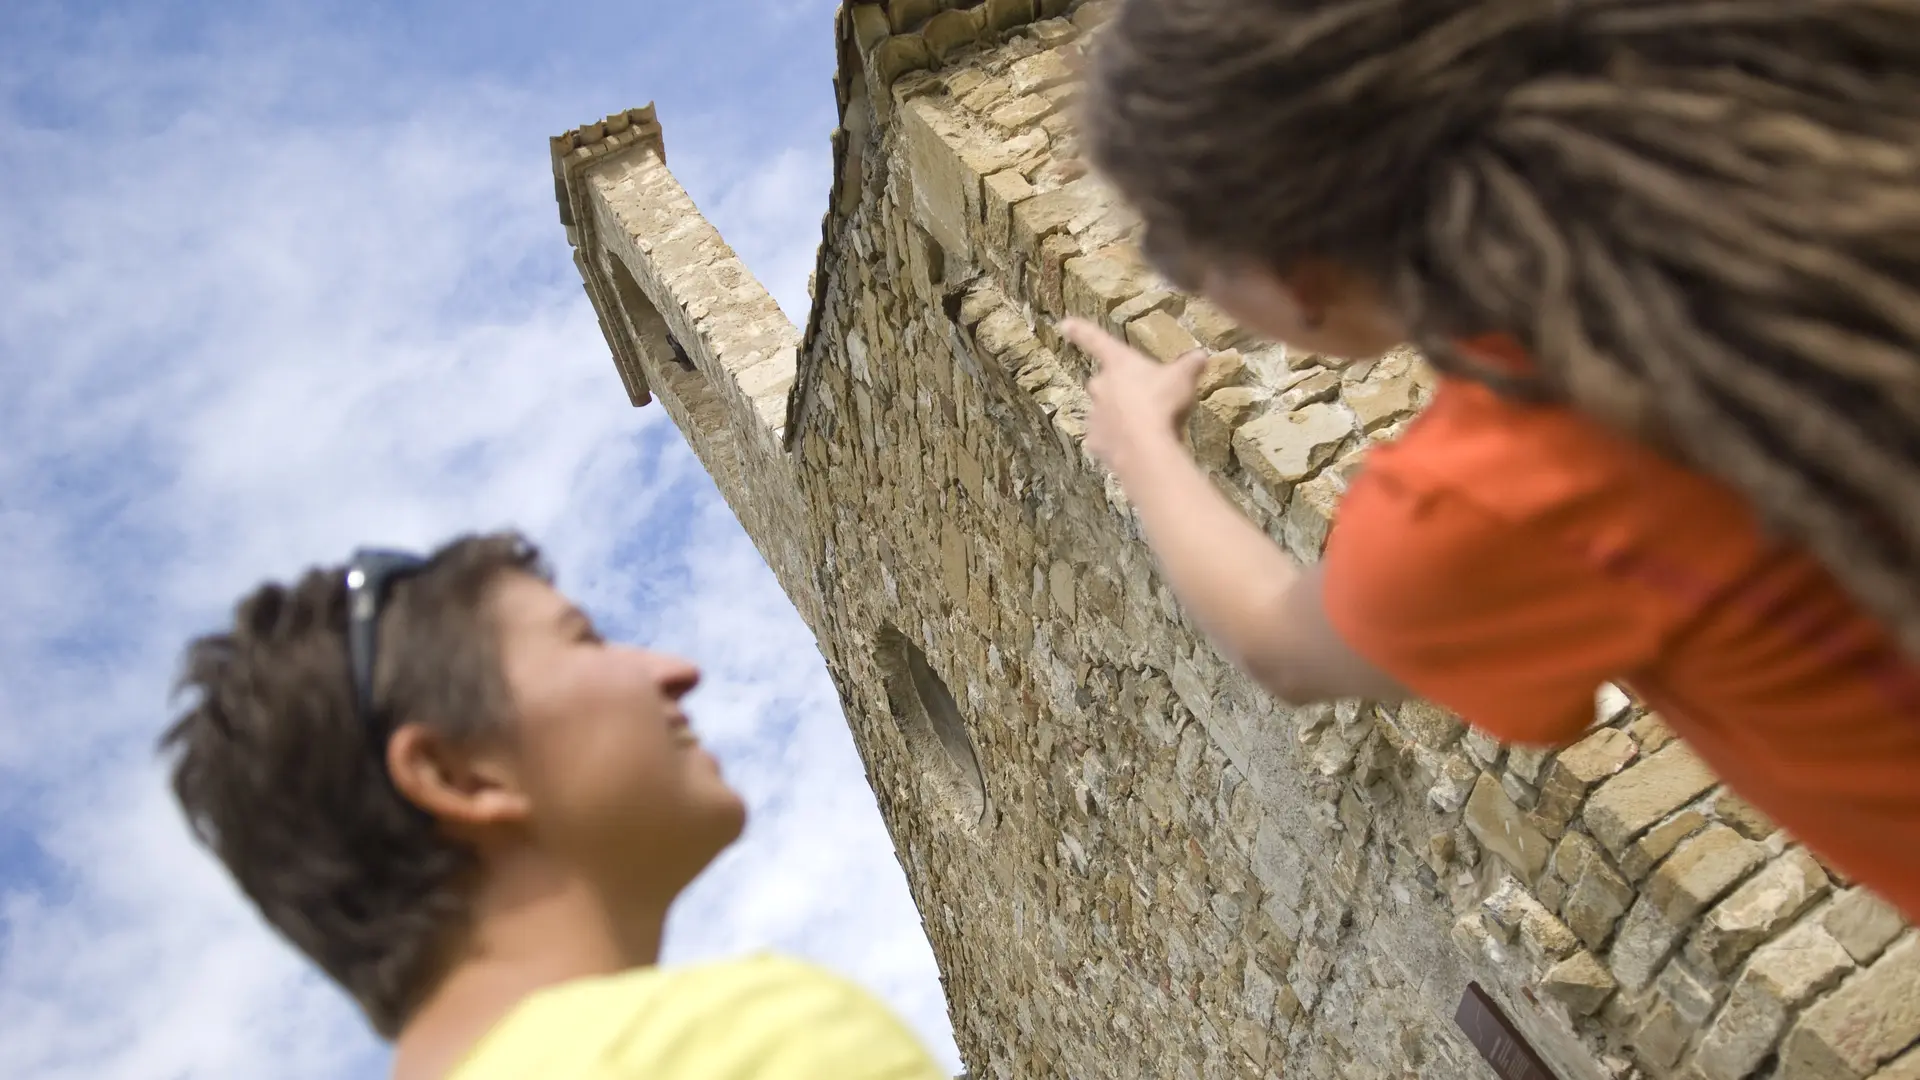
x=279, y=279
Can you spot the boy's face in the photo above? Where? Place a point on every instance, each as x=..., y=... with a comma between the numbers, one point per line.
x=1315, y=309
x=616, y=784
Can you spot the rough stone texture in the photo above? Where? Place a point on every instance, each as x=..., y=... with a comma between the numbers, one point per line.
x=1873, y=1017
x=1783, y=976
x=1632, y=802
x=1759, y=910
x=1863, y=924
x=1129, y=861
x=1502, y=829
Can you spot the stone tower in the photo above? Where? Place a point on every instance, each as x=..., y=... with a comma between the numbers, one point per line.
x=1129, y=861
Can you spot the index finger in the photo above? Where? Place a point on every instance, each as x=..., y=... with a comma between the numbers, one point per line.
x=1103, y=347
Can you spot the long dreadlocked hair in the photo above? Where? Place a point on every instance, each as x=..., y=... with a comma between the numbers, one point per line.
x=1701, y=217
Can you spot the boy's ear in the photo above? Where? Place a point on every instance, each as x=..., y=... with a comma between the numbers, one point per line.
x=462, y=783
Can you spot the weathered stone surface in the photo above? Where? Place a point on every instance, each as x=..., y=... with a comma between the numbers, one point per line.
x=1737, y=812
x=1223, y=369
x=1453, y=783
x=1863, y=924
x=1757, y=911
x=1701, y=871
x=1376, y=404
x=1646, y=940
x=1635, y=800
x=1597, y=900
x=1502, y=829
x=1579, y=982
x=1644, y=854
x=1590, y=761
x=1662, y=1035
x=1217, y=417
x=1852, y=1032
x=1284, y=448
x=1161, y=336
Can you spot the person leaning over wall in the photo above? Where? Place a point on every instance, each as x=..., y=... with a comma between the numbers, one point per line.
x=1666, y=260
x=440, y=784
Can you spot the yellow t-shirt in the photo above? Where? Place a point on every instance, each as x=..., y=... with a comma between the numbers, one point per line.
x=759, y=1018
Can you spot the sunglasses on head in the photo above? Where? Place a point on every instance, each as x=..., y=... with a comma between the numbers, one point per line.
x=370, y=573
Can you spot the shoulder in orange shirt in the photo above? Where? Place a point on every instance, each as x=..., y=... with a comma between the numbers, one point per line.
x=1503, y=560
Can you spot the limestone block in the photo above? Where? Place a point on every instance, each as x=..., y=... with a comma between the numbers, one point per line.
x=953, y=30
x=1004, y=15
x=1526, y=763
x=989, y=95
x=1863, y=924
x=1213, y=327
x=1741, y=1036
x=1283, y=448
x=1757, y=911
x=1315, y=387
x=1574, y=854
x=1223, y=369
x=1645, y=940
x=1455, y=782
x=1040, y=73
x=1310, y=515
x=1003, y=191
x=1853, y=1031
x=1651, y=732
x=1423, y=724
x=907, y=15
x=1022, y=113
x=1800, y=964
x=892, y=58
x=1041, y=216
x=1502, y=829
x=1580, y=982
x=1645, y=853
x=946, y=193
x=1598, y=898
x=1702, y=870
x=1161, y=336
x=1377, y=404
x=1737, y=812
x=1782, y=976
x=1518, y=913
x=1097, y=283
x=1578, y=768
x=1217, y=417
x=1661, y=1036
x=1485, y=748
x=1635, y=800
x=870, y=26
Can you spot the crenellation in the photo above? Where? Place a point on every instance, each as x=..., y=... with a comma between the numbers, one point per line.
x=1129, y=859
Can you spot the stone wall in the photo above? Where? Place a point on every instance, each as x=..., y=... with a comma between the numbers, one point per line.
x=1129, y=861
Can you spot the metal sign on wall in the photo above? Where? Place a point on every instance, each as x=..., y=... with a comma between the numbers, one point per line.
x=1499, y=1042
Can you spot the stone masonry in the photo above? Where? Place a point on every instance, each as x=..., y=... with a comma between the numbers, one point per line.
x=1131, y=862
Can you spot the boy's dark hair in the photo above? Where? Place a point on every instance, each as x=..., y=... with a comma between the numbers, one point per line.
x=1702, y=218
x=286, y=784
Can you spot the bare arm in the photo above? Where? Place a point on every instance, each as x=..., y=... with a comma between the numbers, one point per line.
x=1251, y=599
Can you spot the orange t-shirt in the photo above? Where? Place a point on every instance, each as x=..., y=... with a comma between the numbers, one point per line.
x=1503, y=560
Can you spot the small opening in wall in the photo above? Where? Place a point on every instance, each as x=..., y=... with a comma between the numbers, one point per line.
x=680, y=356
x=936, y=733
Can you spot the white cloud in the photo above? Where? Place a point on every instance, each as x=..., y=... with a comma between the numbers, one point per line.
x=248, y=324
